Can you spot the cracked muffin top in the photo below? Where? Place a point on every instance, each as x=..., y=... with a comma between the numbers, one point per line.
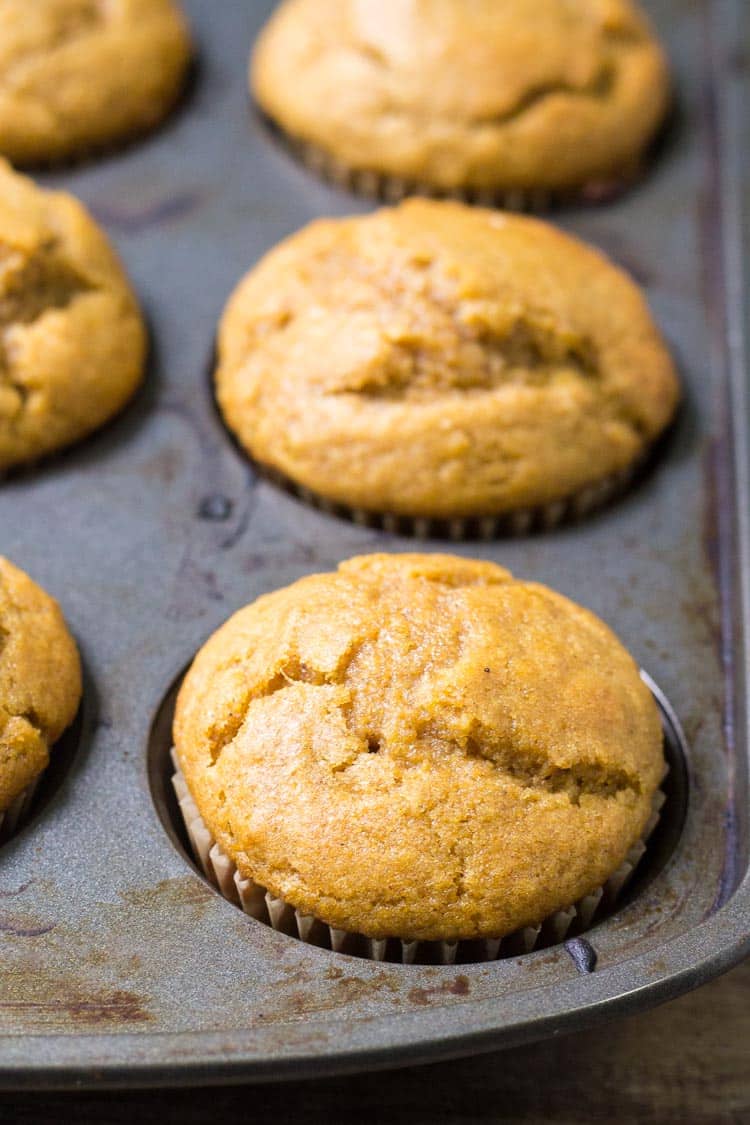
x=443, y=361
x=40, y=680
x=72, y=342
x=486, y=94
x=420, y=746
x=78, y=75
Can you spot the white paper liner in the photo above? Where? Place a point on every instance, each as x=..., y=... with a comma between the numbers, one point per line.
x=520, y=522
x=17, y=811
x=392, y=189
x=260, y=904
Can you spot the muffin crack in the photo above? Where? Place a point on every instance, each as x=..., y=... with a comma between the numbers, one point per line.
x=30, y=287
x=472, y=345
x=28, y=716
x=526, y=354
x=532, y=769
x=292, y=672
x=598, y=89
x=296, y=671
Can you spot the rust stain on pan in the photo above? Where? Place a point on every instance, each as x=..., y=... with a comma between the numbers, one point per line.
x=16, y=891
x=345, y=990
x=116, y=1007
x=354, y=988
x=24, y=927
x=179, y=892
x=457, y=986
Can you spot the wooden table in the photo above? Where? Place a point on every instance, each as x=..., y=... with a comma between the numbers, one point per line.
x=686, y=1062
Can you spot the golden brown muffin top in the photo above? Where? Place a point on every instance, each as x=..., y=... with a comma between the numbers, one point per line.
x=420, y=746
x=72, y=343
x=439, y=360
x=40, y=680
x=467, y=93
x=79, y=74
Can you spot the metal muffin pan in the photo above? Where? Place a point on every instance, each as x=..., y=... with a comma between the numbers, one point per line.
x=118, y=963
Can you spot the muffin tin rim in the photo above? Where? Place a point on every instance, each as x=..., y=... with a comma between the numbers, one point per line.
x=677, y=959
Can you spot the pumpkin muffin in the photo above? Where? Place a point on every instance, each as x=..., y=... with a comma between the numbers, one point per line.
x=79, y=75
x=72, y=341
x=437, y=360
x=40, y=683
x=420, y=747
x=487, y=96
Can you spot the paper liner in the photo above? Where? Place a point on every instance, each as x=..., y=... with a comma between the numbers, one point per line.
x=392, y=189
x=521, y=521
x=265, y=907
x=17, y=811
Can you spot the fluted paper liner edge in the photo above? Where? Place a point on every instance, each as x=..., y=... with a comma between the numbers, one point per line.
x=265, y=907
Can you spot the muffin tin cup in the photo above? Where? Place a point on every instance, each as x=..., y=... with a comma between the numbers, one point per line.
x=259, y=903
x=374, y=185
x=16, y=813
x=521, y=521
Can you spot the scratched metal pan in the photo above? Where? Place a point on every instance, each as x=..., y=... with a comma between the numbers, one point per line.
x=118, y=963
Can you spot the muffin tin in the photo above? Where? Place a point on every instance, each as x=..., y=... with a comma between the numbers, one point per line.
x=120, y=964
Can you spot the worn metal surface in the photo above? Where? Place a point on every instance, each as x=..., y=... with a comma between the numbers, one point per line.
x=117, y=963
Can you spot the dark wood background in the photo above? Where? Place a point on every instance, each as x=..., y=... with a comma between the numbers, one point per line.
x=686, y=1062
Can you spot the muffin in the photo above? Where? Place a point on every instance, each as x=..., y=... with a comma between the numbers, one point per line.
x=72, y=341
x=503, y=98
x=437, y=361
x=419, y=747
x=79, y=75
x=40, y=687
